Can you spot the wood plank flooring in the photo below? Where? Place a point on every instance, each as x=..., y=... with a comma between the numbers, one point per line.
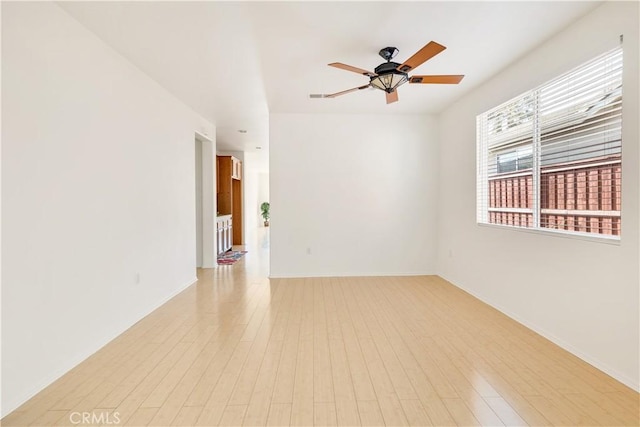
x=239, y=349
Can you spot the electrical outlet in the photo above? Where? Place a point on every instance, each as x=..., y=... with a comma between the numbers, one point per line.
x=308, y=251
x=137, y=279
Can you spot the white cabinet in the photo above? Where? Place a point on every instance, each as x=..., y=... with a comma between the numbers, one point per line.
x=224, y=233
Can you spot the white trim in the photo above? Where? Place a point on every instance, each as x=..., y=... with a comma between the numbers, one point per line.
x=511, y=210
x=536, y=151
x=368, y=274
x=510, y=175
x=585, y=165
x=598, y=238
x=569, y=212
x=202, y=137
x=580, y=212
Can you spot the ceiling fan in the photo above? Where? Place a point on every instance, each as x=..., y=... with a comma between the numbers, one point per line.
x=388, y=76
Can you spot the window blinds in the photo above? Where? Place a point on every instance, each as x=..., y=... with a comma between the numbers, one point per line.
x=551, y=158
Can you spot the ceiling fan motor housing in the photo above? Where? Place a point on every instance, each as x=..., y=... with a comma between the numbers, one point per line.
x=388, y=53
x=388, y=78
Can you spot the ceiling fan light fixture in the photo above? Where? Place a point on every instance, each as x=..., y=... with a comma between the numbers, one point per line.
x=388, y=78
x=389, y=82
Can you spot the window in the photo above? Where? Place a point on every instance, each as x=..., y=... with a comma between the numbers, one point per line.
x=551, y=159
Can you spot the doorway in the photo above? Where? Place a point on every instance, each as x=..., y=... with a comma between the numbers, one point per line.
x=198, y=167
x=205, y=202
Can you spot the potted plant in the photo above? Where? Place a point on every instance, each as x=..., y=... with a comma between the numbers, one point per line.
x=264, y=207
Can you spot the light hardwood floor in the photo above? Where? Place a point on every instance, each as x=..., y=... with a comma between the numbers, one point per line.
x=240, y=349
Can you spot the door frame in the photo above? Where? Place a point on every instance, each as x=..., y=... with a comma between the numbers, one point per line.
x=209, y=250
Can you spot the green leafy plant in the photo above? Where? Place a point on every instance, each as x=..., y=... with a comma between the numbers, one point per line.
x=264, y=208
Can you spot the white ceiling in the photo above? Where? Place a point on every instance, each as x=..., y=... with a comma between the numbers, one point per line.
x=235, y=62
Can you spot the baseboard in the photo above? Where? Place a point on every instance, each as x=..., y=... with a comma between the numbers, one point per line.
x=15, y=403
x=598, y=364
x=367, y=274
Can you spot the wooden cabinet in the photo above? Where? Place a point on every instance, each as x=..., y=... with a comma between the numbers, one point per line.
x=229, y=185
x=224, y=233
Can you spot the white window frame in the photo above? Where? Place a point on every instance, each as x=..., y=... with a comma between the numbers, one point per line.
x=483, y=155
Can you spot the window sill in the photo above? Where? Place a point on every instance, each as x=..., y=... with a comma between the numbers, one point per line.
x=609, y=240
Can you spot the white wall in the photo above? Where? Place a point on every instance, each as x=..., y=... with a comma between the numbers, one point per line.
x=263, y=194
x=97, y=188
x=357, y=190
x=209, y=202
x=256, y=191
x=581, y=294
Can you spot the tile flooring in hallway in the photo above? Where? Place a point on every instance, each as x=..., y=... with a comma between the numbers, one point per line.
x=239, y=349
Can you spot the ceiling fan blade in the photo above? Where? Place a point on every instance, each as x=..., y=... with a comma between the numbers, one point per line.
x=392, y=97
x=351, y=68
x=452, y=79
x=344, y=92
x=430, y=50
